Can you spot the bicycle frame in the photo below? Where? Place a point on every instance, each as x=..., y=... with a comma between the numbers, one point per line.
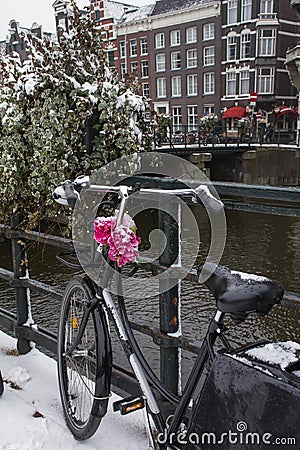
x=143, y=373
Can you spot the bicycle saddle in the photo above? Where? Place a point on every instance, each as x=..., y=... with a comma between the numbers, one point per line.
x=241, y=293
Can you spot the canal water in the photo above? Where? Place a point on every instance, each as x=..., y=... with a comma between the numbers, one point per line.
x=256, y=243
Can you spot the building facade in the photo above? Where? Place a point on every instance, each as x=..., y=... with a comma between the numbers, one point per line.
x=255, y=38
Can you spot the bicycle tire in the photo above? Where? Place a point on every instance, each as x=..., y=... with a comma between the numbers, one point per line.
x=85, y=375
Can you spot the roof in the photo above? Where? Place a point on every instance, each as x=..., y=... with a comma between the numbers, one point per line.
x=166, y=6
x=142, y=13
x=115, y=10
x=236, y=112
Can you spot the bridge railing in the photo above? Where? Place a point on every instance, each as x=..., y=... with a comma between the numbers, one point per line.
x=188, y=136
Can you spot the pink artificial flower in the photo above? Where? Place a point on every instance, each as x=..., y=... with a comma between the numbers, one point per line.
x=122, y=240
x=103, y=227
x=123, y=244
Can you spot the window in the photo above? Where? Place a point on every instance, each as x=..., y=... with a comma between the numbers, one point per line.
x=208, y=110
x=146, y=90
x=111, y=58
x=265, y=80
x=245, y=45
x=177, y=118
x=133, y=67
x=159, y=40
x=191, y=58
x=244, y=82
x=161, y=87
x=208, y=31
x=209, y=83
x=191, y=35
x=123, y=70
x=231, y=47
x=209, y=56
x=143, y=46
x=246, y=11
x=97, y=14
x=174, y=38
x=231, y=83
x=133, y=47
x=267, y=42
x=232, y=12
x=192, y=114
x=192, y=84
x=266, y=6
x=160, y=62
x=176, y=86
x=122, y=49
x=145, y=69
x=175, y=60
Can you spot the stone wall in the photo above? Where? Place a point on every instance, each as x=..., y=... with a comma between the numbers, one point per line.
x=274, y=166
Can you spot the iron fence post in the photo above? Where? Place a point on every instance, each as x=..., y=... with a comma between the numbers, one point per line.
x=20, y=269
x=169, y=297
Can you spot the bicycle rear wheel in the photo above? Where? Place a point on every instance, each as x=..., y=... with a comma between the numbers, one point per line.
x=84, y=375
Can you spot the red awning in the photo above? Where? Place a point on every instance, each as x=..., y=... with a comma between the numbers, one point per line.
x=286, y=110
x=237, y=112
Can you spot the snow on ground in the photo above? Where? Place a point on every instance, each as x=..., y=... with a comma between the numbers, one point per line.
x=35, y=374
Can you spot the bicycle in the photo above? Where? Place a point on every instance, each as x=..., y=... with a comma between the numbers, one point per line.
x=84, y=348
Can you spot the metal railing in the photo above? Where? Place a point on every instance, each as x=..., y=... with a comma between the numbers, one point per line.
x=191, y=138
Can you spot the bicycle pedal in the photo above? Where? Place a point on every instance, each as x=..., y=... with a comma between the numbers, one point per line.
x=128, y=405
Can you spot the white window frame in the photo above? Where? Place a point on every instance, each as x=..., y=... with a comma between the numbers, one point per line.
x=143, y=46
x=208, y=31
x=176, y=90
x=144, y=69
x=133, y=66
x=161, y=87
x=208, y=110
x=244, y=81
x=209, y=56
x=160, y=62
x=146, y=90
x=175, y=60
x=174, y=38
x=192, y=117
x=133, y=47
x=123, y=70
x=232, y=12
x=192, y=84
x=209, y=83
x=191, y=58
x=231, y=44
x=191, y=35
x=266, y=6
x=160, y=40
x=267, y=44
x=245, y=41
x=263, y=80
x=246, y=10
x=177, y=118
x=122, y=49
x=231, y=85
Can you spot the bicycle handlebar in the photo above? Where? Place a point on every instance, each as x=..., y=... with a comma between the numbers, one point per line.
x=69, y=192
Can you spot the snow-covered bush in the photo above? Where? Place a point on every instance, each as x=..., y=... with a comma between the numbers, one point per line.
x=44, y=107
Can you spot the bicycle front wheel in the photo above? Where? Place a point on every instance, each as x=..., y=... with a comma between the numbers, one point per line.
x=83, y=374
